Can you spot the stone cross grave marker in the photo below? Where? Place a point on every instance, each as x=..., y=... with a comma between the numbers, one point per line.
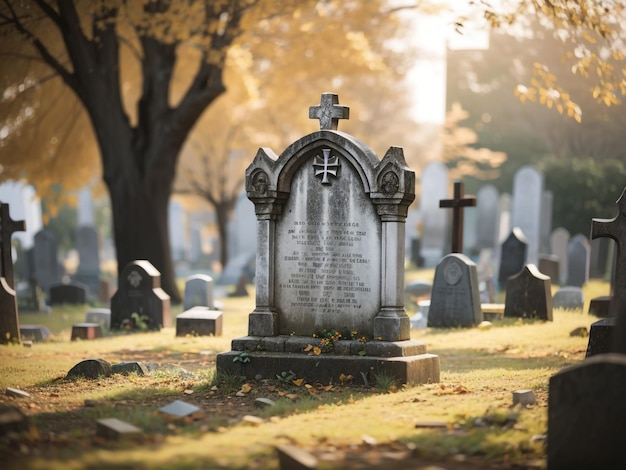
x=616, y=229
x=458, y=203
x=330, y=262
x=9, y=322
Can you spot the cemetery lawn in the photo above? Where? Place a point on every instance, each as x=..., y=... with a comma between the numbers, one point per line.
x=464, y=422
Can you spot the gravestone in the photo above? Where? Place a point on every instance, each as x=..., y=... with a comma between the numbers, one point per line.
x=487, y=199
x=47, y=267
x=549, y=265
x=528, y=295
x=139, y=299
x=578, y=260
x=9, y=322
x=526, y=208
x=559, y=241
x=242, y=228
x=600, y=336
x=34, y=333
x=586, y=409
x=330, y=258
x=568, y=298
x=88, y=271
x=86, y=331
x=71, y=293
x=512, y=255
x=545, y=224
x=25, y=205
x=435, y=221
x=177, y=223
x=199, y=292
x=101, y=316
x=455, y=298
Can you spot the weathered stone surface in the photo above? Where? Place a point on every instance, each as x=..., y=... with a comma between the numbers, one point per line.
x=586, y=409
x=527, y=206
x=179, y=409
x=600, y=306
x=131, y=367
x=524, y=397
x=35, y=333
x=330, y=257
x=600, y=337
x=90, y=369
x=578, y=253
x=199, y=292
x=99, y=315
x=512, y=255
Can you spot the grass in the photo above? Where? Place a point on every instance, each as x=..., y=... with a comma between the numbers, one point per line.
x=480, y=369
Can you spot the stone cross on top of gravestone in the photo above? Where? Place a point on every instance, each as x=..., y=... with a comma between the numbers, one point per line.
x=7, y=227
x=329, y=111
x=457, y=204
x=616, y=229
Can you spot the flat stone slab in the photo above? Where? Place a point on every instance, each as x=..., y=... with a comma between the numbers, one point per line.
x=86, y=331
x=115, y=429
x=17, y=393
x=568, y=298
x=327, y=368
x=524, y=397
x=199, y=321
x=35, y=333
x=293, y=458
x=179, y=409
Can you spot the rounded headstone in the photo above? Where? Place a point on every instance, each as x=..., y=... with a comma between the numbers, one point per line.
x=90, y=369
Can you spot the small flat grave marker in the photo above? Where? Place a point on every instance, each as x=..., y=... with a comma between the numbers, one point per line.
x=115, y=429
x=34, y=333
x=101, y=316
x=17, y=393
x=180, y=409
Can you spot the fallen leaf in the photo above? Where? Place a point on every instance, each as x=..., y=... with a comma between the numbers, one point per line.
x=245, y=388
x=317, y=351
x=292, y=396
x=297, y=382
x=308, y=348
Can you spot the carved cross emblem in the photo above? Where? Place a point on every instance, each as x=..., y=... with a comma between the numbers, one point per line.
x=134, y=278
x=326, y=166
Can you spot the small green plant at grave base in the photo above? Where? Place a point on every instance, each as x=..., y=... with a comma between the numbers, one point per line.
x=228, y=383
x=385, y=382
x=286, y=377
x=243, y=357
x=328, y=338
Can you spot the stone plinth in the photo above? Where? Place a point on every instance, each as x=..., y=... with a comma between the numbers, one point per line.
x=199, y=321
x=86, y=331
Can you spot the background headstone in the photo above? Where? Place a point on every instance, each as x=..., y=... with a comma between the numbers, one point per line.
x=139, y=292
x=71, y=293
x=549, y=265
x=199, y=292
x=435, y=221
x=528, y=295
x=513, y=254
x=559, y=241
x=48, y=270
x=455, y=299
x=88, y=271
x=578, y=260
x=568, y=298
x=487, y=214
x=526, y=208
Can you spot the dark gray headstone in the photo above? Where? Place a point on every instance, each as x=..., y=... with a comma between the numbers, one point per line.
x=568, y=298
x=512, y=255
x=130, y=367
x=47, y=268
x=88, y=271
x=199, y=321
x=199, y=292
x=139, y=299
x=90, y=369
x=578, y=261
x=549, y=265
x=600, y=337
x=586, y=410
x=71, y=293
x=86, y=331
x=528, y=295
x=455, y=298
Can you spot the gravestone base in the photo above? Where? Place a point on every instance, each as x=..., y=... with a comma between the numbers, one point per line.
x=406, y=361
x=34, y=333
x=199, y=321
x=86, y=331
x=599, y=306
